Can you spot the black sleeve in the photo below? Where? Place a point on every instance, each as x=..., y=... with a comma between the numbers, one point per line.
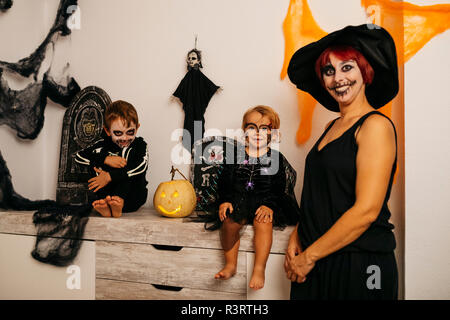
x=93, y=155
x=137, y=162
x=225, y=184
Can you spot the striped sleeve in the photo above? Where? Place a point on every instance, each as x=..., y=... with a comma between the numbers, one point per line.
x=137, y=162
x=93, y=155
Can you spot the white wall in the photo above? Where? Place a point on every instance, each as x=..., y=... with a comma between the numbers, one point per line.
x=427, y=172
x=21, y=31
x=135, y=50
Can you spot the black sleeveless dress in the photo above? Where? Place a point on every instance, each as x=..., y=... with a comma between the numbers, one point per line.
x=364, y=269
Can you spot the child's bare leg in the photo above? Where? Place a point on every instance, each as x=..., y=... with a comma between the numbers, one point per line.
x=230, y=243
x=101, y=206
x=116, y=204
x=262, y=243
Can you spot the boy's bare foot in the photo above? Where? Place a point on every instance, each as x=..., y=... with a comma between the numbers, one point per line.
x=257, y=279
x=116, y=205
x=102, y=207
x=227, y=272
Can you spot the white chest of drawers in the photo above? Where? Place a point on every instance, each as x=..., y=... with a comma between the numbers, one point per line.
x=145, y=256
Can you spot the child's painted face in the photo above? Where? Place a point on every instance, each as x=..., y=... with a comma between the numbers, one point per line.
x=120, y=134
x=342, y=79
x=257, y=130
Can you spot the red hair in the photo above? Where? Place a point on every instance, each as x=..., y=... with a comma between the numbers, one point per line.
x=345, y=53
x=121, y=110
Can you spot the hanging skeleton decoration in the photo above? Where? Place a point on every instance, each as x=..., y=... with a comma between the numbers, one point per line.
x=194, y=60
x=194, y=91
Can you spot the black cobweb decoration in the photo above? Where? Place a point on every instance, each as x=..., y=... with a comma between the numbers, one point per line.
x=31, y=64
x=5, y=5
x=23, y=110
x=9, y=199
x=59, y=230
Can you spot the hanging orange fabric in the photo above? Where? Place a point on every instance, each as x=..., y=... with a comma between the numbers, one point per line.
x=410, y=25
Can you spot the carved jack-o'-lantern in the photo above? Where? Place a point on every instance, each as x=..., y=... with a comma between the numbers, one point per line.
x=175, y=198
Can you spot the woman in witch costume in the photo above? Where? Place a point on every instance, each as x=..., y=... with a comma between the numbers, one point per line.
x=343, y=245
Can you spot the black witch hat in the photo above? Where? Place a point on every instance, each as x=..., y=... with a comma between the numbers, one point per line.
x=375, y=44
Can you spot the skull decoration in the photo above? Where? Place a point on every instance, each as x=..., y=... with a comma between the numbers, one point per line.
x=215, y=154
x=87, y=125
x=194, y=59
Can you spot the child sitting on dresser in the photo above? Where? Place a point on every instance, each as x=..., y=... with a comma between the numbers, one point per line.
x=119, y=161
x=252, y=190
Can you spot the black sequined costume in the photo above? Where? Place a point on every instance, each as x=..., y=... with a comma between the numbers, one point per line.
x=252, y=182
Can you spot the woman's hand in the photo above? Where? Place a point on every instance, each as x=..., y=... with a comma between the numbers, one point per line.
x=293, y=250
x=115, y=161
x=299, y=267
x=264, y=214
x=99, y=181
x=223, y=210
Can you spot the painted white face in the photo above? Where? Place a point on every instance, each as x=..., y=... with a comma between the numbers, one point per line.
x=257, y=130
x=121, y=134
x=343, y=80
x=192, y=59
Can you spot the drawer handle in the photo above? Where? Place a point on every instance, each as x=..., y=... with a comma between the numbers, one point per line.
x=167, y=288
x=165, y=247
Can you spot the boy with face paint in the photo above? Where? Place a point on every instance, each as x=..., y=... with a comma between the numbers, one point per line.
x=119, y=161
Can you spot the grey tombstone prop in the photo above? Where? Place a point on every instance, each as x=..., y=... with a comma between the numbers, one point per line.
x=82, y=126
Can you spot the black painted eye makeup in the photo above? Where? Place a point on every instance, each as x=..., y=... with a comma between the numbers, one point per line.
x=131, y=132
x=263, y=127
x=347, y=67
x=117, y=133
x=328, y=70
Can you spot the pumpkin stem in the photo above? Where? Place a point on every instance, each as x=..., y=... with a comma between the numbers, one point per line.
x=174, y=170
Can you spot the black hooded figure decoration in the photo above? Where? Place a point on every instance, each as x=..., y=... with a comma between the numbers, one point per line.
x=194, y=91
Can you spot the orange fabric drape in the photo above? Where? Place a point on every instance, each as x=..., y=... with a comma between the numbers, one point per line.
x=410, y=25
